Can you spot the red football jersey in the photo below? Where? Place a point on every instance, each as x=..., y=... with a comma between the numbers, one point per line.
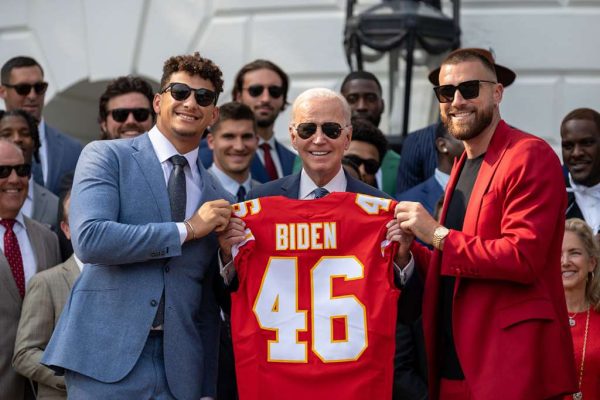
x=315, y=313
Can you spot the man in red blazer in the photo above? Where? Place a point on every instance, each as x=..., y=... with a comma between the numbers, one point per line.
x=494, y=312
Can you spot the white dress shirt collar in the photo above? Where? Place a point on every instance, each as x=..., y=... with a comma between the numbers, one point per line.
x=441, y=178
x=164, y=150
x=230, y=184
x=307, y=186
x=588, y=200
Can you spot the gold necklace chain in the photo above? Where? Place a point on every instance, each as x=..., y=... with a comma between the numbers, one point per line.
x=579, y=395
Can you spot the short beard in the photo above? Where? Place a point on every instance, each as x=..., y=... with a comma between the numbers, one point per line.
x=483, y=118
x=265, y=122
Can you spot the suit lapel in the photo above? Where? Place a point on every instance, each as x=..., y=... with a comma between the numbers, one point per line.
x=490, y=163
x=71, y=270
x=290, y=186
x=38, y=245
x=7, y=280
x=144, y=155
x=452, y=184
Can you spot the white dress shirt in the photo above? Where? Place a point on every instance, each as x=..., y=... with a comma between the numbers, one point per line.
x=274, y=155
x=588, y=200
x=441, y=178
x=29, y=260
x=164, y=150
x=43, y=150
x=228, y=183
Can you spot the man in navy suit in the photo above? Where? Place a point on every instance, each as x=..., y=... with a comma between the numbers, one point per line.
x=429, y=193
x=142, y=321
x=263, y=86
x=23, y=87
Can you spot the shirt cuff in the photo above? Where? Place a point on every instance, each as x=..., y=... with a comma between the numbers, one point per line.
x=227, y=271
x=182, y=232
x=404, y=274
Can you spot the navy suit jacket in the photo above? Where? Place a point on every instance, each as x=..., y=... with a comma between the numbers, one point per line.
x=427, y=193
x=257, y=169
x=63, y=152
x=418, y=158
x=122, y=229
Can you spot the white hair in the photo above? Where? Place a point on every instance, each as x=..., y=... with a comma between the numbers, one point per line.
x=322, y=93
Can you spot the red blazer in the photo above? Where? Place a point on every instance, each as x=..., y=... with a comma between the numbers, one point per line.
x=509, y=315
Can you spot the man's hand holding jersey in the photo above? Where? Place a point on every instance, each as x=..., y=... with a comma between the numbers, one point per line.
x=212, y=215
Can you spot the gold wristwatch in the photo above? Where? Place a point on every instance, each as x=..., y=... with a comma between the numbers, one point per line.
x=438, y=235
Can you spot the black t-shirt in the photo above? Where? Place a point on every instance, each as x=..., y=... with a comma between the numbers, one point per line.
x=450, y=366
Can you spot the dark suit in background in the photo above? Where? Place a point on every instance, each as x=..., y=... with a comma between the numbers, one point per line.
x=418, y=158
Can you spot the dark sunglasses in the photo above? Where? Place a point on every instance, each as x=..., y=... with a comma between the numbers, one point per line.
x=274, y=91
x=24, y=89
x=181, y=91
x=468, y=90
x=22, y=170
x=121, y=114
x=371, y=166
x=332, y=130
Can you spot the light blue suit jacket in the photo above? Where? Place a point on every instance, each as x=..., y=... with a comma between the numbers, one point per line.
x=120, y=223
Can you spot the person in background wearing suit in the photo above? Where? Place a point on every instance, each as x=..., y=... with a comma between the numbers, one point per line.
x=23, y=87
x=46, y=295
x=233, y=141
x=125, y=108
x=580, y=143
x=428, y=193
x=27, y=248
x=20, y=128
x=363, y=92
x=263, y=86
x=142, y=320
x=493, y=279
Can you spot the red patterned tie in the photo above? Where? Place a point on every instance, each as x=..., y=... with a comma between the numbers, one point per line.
x=269, y=164
x=12, y=252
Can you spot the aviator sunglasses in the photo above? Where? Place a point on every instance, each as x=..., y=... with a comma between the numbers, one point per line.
x=468, y=90
x=121, y=114
x=22, y=170
x=23, y=89
x=181, y=91
x=332, y=130
x=371, y=166
x=274, y=91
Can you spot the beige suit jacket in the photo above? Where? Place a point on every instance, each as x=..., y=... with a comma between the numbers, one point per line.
x=47, y=253
x=47, y=293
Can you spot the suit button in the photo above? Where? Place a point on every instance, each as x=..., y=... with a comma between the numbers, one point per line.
x=153, y=303
x=167, y=268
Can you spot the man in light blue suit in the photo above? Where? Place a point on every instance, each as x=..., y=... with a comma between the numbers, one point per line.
x=23, y=87
x=142, y=320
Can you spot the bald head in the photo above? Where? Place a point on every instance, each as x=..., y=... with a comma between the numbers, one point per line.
x=320, y=94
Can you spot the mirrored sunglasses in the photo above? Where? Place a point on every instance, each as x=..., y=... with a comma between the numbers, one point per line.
x=23, y=89
x=332, y=130
x=121, y=114
x=181, y=91
x=257, y=90
x=371, y=165
x=22, y=170
x=468, y=90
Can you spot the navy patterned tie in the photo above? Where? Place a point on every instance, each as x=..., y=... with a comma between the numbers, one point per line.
x=241, y=194
x=320, y=192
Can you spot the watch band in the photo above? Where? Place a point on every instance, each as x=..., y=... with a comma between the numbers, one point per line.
x=439, y=235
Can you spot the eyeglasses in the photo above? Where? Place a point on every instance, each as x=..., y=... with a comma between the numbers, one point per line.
x=181, y=91
x=22, y=170
x=24, y=89
x=468, y=90
x=121, y=114
x=274, y=91
x=371, y=166
x=332, y=130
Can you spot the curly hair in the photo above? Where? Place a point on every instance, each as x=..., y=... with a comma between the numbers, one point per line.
x=31, y=124
x=193, y=64
x=590, y=245
x=363, y=130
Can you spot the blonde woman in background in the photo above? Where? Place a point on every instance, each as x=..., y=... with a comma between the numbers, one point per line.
x=581, y=281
